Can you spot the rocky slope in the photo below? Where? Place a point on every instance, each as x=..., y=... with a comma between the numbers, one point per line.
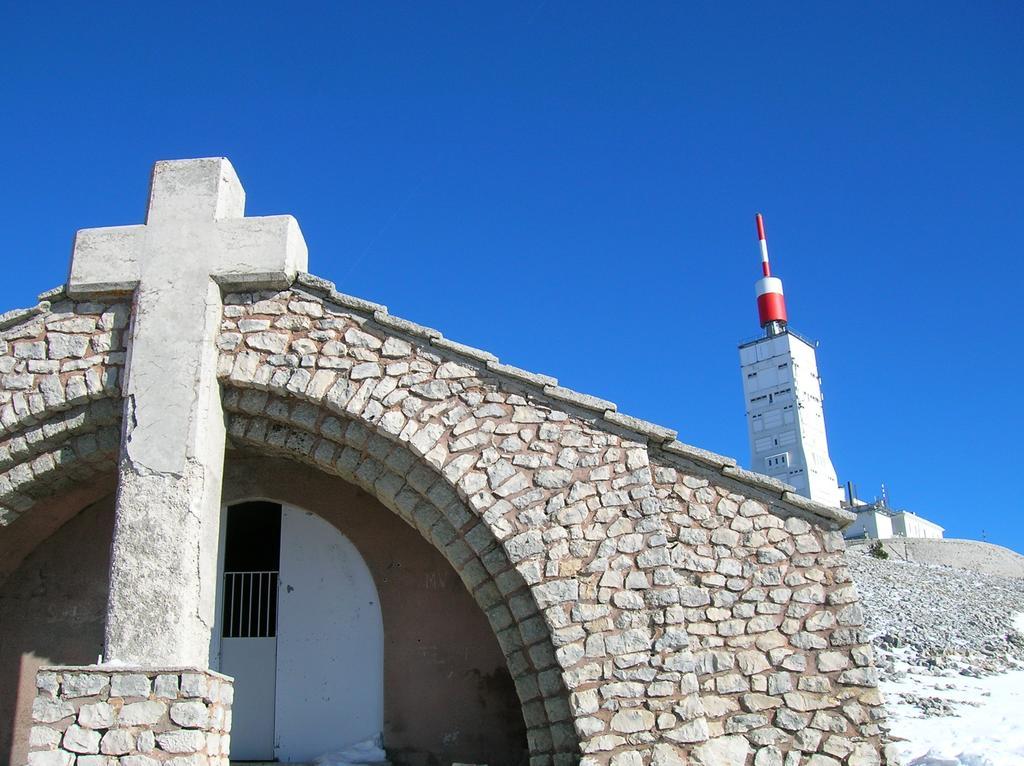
x=961, y=554
x=938, y=620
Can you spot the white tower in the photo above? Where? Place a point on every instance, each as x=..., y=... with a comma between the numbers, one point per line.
x=785, y=418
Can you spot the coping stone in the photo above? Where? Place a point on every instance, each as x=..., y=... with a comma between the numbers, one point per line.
x=645, y=427
x=14, y=316
x=464, y=350
x=320, y=284
x=526, y=376
x=357, y=304
x=53, y=293
x=698, y=455
x=382, y=317
x=326, y=289
x=758, y=480
x=119, y=667
x=819, y=509
x=586, y=401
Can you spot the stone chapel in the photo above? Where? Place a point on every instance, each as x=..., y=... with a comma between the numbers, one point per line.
x=244, y=515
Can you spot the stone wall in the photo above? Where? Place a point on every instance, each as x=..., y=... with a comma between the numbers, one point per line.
x=653, y=602
x=52, y=609
x=56, y=361
x=674, y=604
x=774, y=621
x=116, y=716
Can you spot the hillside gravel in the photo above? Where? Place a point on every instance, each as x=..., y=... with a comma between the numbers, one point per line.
x=949, y=645
x=940, y=616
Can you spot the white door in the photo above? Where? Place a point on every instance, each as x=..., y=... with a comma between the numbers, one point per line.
x=248, y=653
x=247, y=623
x=330, y=644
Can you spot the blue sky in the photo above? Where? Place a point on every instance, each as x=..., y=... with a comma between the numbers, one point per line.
x=572, y=186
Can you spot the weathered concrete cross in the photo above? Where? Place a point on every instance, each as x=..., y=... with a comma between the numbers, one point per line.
x=195, y=242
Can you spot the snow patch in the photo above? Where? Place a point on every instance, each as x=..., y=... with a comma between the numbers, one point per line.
x=1018, y=622
x=949, y=646
x=365, y=752
x=986, y=729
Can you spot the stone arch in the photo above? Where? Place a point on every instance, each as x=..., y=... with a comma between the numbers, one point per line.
x=420, y=496
x=554, y=481
x=51, y=470
x=629, y=542
x=602, y=551
x=58, y=450
x=60, y=372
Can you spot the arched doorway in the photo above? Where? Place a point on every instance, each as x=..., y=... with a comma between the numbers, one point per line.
x=301, y=631
x=448, y=693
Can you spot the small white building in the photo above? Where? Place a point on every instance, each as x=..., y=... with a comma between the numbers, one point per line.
x=877, y=521
x=872, y=523
x=907, y=524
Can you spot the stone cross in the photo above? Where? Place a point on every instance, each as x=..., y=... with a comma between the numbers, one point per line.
x=195, y=242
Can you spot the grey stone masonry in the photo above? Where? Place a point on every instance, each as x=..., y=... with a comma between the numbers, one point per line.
x=60, y=368
x=654, y=603
x=112, y=715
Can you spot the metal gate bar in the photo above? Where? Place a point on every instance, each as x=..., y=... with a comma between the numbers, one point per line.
x=250, y=604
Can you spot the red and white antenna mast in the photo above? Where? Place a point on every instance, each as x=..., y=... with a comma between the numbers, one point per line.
x=771, y=304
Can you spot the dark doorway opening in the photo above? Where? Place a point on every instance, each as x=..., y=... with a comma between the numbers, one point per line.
x=252, y=560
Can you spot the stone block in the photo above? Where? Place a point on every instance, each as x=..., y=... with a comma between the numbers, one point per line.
x=45, y=710
x=865, y=754
x=627, y=758
x=142, y=713
x=667, y=755
x=48, y=682
x=95, y=760
x=129, y=685
x=146, y=741
x=768, y=756
x=194, y=685
x=118, y=742
x=588, y=726
x=821, y=760
x=632, y=720
x=64, y=346
x=50, y=758
x=80, y=740
x=757, y=702
x=99, y=715
x=723, y=751
x=187, y=741
x=191, y=715
x=859, y=677
x=43, y=737
x=832, y=661
x=692, y=731
x=84, y=684
x=166, y=685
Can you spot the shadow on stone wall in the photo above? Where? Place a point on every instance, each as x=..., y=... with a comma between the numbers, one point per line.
x=52, y=609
